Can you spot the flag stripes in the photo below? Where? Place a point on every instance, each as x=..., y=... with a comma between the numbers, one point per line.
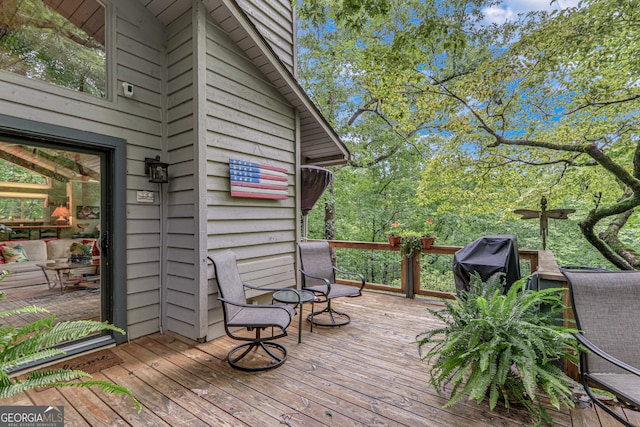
x=257, y=181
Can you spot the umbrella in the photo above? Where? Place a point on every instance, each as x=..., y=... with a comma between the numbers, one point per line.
x=313, y=181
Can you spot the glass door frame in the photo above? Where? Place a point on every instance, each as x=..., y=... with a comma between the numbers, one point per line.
x=112, y=151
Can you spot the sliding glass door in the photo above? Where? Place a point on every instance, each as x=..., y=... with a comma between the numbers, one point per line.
x=54, y=227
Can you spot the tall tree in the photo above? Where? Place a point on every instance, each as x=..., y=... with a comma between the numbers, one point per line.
x=372, y=189
x=546, y=104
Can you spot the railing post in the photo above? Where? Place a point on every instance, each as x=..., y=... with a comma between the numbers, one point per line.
x=408, y=266
x=411, y=274
x=404, y=279
x=416, y=274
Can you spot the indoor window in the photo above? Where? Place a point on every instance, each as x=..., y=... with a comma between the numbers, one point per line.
x=14, y=209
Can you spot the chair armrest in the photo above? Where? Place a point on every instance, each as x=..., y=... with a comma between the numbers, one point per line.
x=326, y=281
x=360, y=276
x=238, y=304
x=260, y=288
x=246, y=285
x=599, y=352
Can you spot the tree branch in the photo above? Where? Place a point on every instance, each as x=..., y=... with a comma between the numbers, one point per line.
x=361, y=110
x=601, y=104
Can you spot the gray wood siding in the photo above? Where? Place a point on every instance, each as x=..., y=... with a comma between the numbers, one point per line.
x=247, y=119
x=137, y=58
x=274, y=20
x=195, y=109
x=140, y=59
x=181, y=287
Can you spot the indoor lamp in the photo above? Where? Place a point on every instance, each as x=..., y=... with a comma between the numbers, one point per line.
x=62, y=213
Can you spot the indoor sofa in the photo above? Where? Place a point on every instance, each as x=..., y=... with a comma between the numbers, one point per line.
x=38, y=252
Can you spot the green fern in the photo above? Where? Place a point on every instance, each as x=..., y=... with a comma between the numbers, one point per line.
x=503, y=346
x=37, y=341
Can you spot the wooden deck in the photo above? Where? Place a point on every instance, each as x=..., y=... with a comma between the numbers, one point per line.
x=367, y=373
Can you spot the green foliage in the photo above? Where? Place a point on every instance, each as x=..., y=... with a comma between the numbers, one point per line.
x=16, y=174
x=38, y=42
x=496, y=116
x=505, y=345
x=429, y=228
x=38, y=340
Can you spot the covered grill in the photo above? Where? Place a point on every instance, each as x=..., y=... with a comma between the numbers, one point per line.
x=487, y=256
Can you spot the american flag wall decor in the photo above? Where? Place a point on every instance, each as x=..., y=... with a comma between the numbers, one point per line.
x=256, y=181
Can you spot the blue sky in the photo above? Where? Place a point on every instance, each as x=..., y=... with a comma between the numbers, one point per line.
x=509, y=9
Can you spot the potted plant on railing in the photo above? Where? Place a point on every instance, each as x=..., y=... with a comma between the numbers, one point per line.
x=428, y=234
x=411, y=243
x=502, y=347
x=394, y=234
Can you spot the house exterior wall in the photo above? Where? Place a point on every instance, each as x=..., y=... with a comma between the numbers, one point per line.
x=246, y=119
x=220, y=106
x=136, y=55
x=181, y=291
x=198, y=101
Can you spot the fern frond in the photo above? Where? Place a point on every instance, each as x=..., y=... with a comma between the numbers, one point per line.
x=486, y=333
x=37, y=341
x=40, y=379
x=31, y=309
x=107, y=387
x=71, y=330
x=25, y=359
x=16, y=334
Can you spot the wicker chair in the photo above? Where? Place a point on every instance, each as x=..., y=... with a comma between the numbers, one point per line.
x=607, y=310
x=319, y=277
x=239, y=314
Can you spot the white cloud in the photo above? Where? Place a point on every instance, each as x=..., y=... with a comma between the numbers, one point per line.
x=509, y=9
x=497, y=15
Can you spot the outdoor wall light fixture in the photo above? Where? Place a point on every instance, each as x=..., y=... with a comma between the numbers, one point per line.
x=157, y=170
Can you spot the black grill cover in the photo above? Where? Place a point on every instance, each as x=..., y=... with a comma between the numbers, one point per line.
x=487, y=256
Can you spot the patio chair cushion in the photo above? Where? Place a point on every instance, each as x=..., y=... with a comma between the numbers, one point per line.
x=606, y=307
x=337, y=290
x=262, y=317
x=227, y=273
x=625, y=383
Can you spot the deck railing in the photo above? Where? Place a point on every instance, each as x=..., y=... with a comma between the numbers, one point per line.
x=428, y=273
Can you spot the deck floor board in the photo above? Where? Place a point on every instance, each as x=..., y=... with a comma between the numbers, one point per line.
x=367, y=373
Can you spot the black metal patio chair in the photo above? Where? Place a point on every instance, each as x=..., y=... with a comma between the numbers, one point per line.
x=319, y=277
x=253, y=317
x=607, y=311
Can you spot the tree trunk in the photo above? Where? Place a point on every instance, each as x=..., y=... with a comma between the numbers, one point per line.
x=330, y=216
x=610, y=237
x=330, y=220
x=587, y=227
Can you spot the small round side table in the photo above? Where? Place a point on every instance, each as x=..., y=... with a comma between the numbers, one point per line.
x=290, y=296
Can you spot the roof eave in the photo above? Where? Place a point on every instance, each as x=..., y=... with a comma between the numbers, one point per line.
x=284, y=79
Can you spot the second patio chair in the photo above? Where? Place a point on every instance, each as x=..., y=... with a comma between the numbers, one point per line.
x=607, y=310
x=256, y=318
x=319, y=276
